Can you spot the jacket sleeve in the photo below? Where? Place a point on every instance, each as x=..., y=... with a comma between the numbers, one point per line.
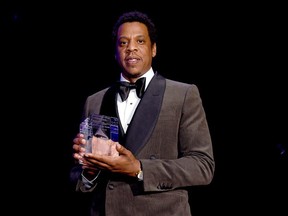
x=188, y=135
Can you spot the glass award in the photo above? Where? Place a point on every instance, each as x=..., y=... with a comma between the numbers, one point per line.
x=101, y=134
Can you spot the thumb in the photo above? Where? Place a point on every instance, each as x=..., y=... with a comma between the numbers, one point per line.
x=121, y=149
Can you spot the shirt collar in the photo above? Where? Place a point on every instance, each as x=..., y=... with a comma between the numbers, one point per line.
x=149, y=75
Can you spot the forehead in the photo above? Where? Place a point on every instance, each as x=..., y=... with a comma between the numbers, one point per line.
x=135, y=28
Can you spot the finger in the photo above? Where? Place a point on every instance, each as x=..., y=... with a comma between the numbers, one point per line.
x=121, y=149
x=79, y=140
x=77, y=156
x=80, y=135
x=78, y=149
x=100, y=161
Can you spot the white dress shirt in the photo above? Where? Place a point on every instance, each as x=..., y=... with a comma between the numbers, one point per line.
x=127, y=108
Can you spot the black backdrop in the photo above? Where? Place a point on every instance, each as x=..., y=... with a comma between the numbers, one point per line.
x=57, y=53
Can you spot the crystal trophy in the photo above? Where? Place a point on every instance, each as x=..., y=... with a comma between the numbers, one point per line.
x=101, y=134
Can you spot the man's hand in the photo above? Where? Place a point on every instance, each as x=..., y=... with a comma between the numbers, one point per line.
x=125, y=163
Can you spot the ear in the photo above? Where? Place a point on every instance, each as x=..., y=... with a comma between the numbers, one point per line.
x=154, y=50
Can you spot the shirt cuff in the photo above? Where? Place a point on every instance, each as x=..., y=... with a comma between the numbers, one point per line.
x=89, y=183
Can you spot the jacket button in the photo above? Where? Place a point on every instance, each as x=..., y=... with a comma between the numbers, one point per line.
x=111, y=186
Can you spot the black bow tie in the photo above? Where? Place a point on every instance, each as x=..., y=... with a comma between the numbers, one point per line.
x=125, y=87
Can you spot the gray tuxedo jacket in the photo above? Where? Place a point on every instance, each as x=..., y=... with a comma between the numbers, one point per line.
x=169, y=134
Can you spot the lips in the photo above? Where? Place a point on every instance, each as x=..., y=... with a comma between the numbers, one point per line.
x=132, y=60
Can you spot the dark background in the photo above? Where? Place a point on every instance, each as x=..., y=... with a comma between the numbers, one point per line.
x=55, y=54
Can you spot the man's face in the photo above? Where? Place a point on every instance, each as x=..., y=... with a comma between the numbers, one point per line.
x=134, y=51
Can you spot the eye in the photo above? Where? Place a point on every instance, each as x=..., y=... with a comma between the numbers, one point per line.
x=140, y=41
x=122, y=43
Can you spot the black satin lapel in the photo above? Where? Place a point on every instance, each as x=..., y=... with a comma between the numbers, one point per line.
x=109, y=108
x=146, y=115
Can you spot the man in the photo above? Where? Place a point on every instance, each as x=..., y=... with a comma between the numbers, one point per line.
x=164, y=141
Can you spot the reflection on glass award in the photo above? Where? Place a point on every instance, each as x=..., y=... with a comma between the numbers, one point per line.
x=100, y=131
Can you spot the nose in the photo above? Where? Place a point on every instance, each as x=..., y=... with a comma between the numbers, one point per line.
x=132, y=46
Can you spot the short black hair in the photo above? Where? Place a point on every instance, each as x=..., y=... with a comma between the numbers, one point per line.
x=136, y=16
